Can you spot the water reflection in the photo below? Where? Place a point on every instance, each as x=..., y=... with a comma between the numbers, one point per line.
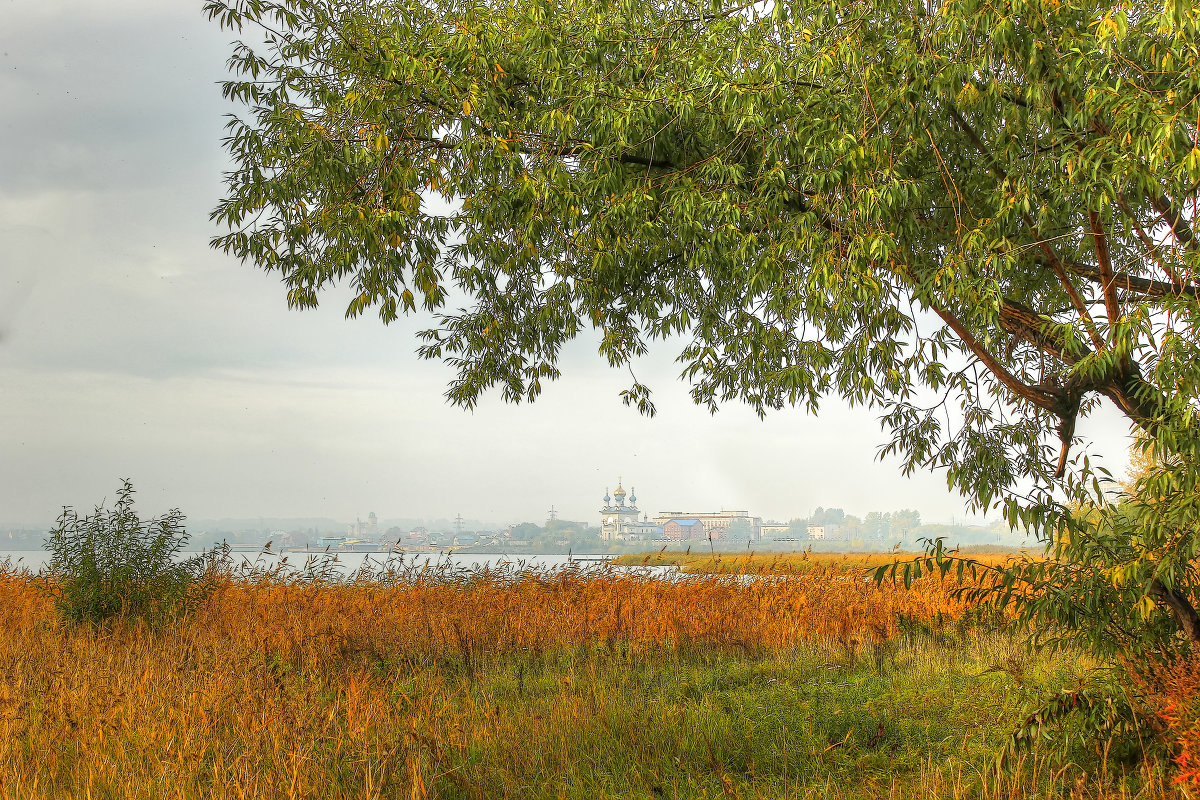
x=380, y=567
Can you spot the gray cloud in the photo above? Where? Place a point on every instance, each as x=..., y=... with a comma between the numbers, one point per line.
x=99, y=96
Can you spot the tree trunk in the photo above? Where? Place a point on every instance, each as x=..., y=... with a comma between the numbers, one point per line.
x=1181, y=608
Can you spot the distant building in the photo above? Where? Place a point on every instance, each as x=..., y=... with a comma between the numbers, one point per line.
x=644, y=529
x=619, y=521
x=368, y=529
x=816, y=531
x=769, y=530
x=683, y=530
x=717, y=523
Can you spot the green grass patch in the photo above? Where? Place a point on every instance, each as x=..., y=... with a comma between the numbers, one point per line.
x=817, y=722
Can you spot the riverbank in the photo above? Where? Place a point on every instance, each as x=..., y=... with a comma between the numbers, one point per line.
x=704, y=563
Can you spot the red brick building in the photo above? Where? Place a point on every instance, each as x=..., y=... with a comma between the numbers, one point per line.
x=684, y=530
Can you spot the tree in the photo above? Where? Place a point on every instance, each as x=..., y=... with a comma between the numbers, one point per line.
x=904, y=522
x=526, y=531
x=849, y=527
x=829, y=517
x=798, y=528
x=877, y=525
x=972, y=216
x=738, y=529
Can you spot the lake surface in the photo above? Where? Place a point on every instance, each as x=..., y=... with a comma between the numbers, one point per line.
x=348, y=563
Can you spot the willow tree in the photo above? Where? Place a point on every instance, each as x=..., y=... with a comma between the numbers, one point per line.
x=975, y=216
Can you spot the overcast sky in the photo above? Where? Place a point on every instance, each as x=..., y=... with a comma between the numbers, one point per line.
x=129, y=349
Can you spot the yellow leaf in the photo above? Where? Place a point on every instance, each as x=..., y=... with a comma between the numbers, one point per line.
x=1145, y=607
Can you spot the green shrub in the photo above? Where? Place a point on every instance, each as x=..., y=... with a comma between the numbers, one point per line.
x=113, y=564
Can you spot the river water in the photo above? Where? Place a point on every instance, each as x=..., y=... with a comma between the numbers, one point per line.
x=350, y=563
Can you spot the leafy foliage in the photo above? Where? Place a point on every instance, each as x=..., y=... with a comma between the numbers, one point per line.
x=113, y=564
x=974, y=216
x=1118, y=576
x=1105, y=722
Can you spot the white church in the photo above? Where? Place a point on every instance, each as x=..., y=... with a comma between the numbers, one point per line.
x=619, y=522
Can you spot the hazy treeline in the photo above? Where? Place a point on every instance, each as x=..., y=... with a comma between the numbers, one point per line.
x=876, y=530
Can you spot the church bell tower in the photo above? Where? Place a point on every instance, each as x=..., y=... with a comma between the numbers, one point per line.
x=615, y=515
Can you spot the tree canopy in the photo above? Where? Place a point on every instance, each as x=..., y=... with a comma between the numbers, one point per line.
x=973, y=215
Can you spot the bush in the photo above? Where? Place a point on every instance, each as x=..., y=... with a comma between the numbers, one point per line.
x=1170, y=686
x=113, y=564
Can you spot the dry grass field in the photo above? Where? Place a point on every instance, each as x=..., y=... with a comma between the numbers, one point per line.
x=577, y=684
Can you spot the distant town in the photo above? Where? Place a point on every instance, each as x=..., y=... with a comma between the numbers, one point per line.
x=620, y=526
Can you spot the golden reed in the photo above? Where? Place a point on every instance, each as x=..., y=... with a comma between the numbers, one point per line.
x=276, y=688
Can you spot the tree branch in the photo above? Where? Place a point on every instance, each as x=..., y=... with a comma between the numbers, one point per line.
x=1039, y=396
x=1152, y=249
x=1059, y=270
x=1174, y=219
x=1022, y=321
x=1107, y=284
x=1055, y=264
x=1140, y=400
x=1132, y=283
